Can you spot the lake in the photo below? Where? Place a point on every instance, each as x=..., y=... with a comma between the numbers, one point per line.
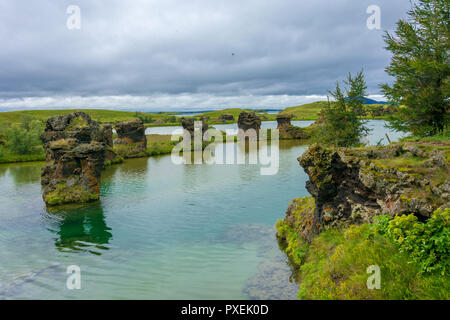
x=160, y=231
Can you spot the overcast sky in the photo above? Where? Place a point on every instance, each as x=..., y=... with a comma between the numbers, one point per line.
x=187, y=54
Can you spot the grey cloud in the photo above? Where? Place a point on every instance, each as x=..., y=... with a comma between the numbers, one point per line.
x=157, y=48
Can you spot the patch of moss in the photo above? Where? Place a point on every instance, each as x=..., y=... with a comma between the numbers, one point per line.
x=76, y=123
x=62, y=143
x=297, y=228
x=74, y=194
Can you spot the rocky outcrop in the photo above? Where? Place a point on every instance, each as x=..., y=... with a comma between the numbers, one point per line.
x=226, y=117
x=131, y=141
x=284, y=120
x=249, y=120
x=189, y=124
x=288, y=131
x=75, y=155
x=350, y=186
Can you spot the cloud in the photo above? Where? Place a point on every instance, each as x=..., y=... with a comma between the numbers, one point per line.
x=160, y=102
x=176, y=53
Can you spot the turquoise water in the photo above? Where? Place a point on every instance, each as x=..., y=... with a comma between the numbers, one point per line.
x=160, y=231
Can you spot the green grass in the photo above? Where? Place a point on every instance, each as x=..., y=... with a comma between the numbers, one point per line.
x=337, y=262
x=11, y=158
x=159, y=144
x=440, y=138
x=400, y=162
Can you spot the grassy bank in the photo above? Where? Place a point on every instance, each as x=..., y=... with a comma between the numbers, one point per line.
x=8, y=157
x=159, y=144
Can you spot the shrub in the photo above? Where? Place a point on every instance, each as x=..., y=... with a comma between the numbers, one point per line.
x=25, y=139
x=425, y=243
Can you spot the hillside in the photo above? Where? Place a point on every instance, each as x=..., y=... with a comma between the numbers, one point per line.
x=307, y=111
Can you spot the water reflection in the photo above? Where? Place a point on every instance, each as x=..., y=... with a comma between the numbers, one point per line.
x=3, y=169
x=80, y=229
x=25, y=173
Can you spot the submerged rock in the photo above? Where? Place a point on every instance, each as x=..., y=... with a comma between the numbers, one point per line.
x=75, y=148
x=131, y=141
x=272, y=281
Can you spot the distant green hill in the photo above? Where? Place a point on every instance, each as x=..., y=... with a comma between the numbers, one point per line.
x=307, y=111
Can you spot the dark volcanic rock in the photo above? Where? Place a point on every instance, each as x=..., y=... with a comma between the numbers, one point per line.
x=284, y=120
x=249, y=120
x=131, y=131
x=75, y=155
x=131, y=141
x=348, y=187
x=107, y=135
x=189, y=124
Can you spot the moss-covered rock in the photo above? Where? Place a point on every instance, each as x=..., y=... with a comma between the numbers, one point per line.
x=75, y=149
x=64, y=194
x=131, y=141
x=288, y=131
x=353, y=185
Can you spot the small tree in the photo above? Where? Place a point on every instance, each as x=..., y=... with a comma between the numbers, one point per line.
x=21, y=140
x=342, y=124
x=420, y=66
